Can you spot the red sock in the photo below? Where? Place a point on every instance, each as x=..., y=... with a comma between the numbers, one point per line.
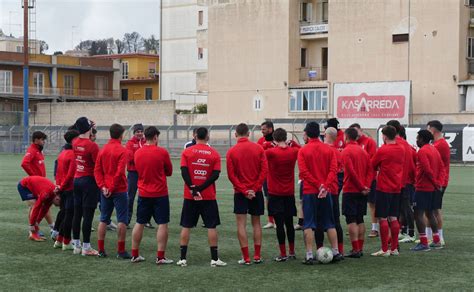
x=394, y=229
x=355, y=245
x=245, y=253
x=340, y=247
x=134, y=252
x=60, y=238
x=361, y=244
x=257, y=248
x=271, y=220
x=100, y=245
x=160, y=254
x=292, y=248
x=436, y=237
x=121, y=246
x=423, y=239
x=384, y=234
x=283, y=250
x=66, y=240
x=318, y=246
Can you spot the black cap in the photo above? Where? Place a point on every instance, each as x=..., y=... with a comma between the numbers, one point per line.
x=138, y=127
x=83, y=125
x=333, y=122
x=312, y=130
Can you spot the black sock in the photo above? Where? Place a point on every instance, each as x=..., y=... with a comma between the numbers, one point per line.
x=300, y=221
x=411, y=232
x=214, y=256
x=184, y=250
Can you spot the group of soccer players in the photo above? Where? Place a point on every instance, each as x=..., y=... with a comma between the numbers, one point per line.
x=400, y=184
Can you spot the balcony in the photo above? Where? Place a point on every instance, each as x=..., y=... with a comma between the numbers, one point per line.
x=62, y=93
x=313, y=74
x=311, y=30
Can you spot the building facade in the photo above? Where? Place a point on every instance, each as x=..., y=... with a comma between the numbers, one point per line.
x=12, y=44
x=184, y=52
x=311, y=59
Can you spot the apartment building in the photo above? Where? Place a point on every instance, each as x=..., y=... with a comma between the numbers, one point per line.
x=13, y=44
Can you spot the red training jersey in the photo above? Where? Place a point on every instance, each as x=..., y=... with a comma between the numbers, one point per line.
x=318, y=166
x=368, y=144
x=357, y=169
x=409, y=164
x=153, y=165
x=340, y=140
x=132, y=146
x=443, y=148
x=389, y=161
x=429, y=169
x=109, y=171
x=66, y=170
x=246, y=166
x=201, y=160
x=334, y=187
x=281, y=170
x=33, y=161
x=43, y=189
x=86, y=153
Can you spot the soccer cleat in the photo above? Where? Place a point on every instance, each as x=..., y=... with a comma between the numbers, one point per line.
x=421, y=247
x=182, y=263
x=34, y=236
x=77, y=250
x=112, y=226
x=308, y=262
x=257, y=261
x=54, y=234
x=124, y=255
x=436, y=245
x=269, y=225
x=292, y=257
x=337, y=258
x=443, y=243
x=298, y=227
x=381, y=253
x=102, y=254
x=353, y=254
x=244, y=262
x=373, y=234
x=218, y=263
x=406, y=239
x=89, y=252
x=281, y=258
x=66, y=247
x=57, y=244
x=137, y=259
x=163, y=261
x=394, y=252
x=148, y=225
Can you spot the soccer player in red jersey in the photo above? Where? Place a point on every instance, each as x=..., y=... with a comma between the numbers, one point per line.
x=357, y=180
x=66, y=169
x=429, y=178
x=200, y=168
x=153, y=165
x=44, y=192
x=436, y=128
x=281, y=191
x=339, y=143
x=86, y=192
x=266, y=141
x=318, y=170
x=136, y=142
x=330, y=135
x=389, y=161
x=247, y=169
x=109, y=172
x=369, y=145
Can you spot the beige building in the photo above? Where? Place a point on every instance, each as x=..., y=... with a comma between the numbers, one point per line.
x=311, y=58
x=15, y=45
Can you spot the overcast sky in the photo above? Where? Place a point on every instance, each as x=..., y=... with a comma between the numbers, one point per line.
x=58, y=20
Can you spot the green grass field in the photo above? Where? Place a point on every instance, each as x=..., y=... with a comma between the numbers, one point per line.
x=26, y=265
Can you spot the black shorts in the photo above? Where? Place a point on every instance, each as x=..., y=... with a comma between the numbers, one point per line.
x=354, y=204
x=254, y=207
x=438, y=199
x=424, y=201
x=158, y=208
x=86, y=192
x=372, y=193
x=281, y=205
x=387, y=205
x=67, y=199
x=207, y=209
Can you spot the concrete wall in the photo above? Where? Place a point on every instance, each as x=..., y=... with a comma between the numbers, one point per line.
x=106, y=113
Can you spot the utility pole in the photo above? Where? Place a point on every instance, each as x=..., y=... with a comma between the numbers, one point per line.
x=25, y=76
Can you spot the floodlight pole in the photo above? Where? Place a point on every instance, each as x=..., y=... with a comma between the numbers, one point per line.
x=25, y=76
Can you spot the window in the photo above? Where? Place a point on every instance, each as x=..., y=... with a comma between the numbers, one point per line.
x=38, y=83
x=151, y=69
x=470, y=48
x=5, y=81
x=124, y=94
x=200, y=18
x=148, y=93
x=309, y=100
x=469, y=3
x=303, y=57
x=124, y=70
x=257, y=103
x=306, y=12
x=101, y=85
x=325, y=11
x=68, y=84
x=400, y=38
x=200, y=53
x=19, y=49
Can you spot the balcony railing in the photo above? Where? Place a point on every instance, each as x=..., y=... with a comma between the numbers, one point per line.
x=313, y=74
x=74, y=93
x=313, y=28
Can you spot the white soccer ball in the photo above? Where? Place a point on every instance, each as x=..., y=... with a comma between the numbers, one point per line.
x=324, y=255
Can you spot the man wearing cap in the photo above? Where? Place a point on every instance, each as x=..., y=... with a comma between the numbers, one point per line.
x=340, y=142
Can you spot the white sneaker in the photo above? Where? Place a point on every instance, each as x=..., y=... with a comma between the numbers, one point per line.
x=137, y=259
x=381, y=253
x=89, y=252
x=394, y=252
x=66, y=247
x=407, y=239
x=112, y=226
x=164, y=261
x=243, y=262
x=443, y=244
x=269, y=225
x=218, y=263
x=77, y=250
x=57, y=244
x=182, y=263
